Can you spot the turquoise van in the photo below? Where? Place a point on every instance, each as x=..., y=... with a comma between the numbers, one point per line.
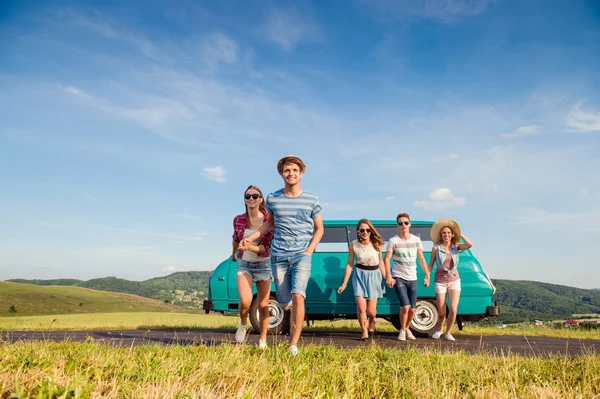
x=328, y=264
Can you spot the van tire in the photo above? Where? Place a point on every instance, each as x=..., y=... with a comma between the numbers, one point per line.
x=279, y=322
x=423, y=324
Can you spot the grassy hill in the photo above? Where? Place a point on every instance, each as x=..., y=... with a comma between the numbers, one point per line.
x=519, y=300
x=531, y=300
x=28, y=299
x=160, y=288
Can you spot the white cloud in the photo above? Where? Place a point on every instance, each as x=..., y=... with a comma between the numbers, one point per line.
x=389, y=197
x=217, y=49
x=440, y=199
x=74, y=90
x=583, y=191
x=581, y=121
x=527, y=130
x=448, y=157
x=586, y=221
x=101, y=25
x=288, y=28
x=216, y=173
x=172, y=269
x=444, y=10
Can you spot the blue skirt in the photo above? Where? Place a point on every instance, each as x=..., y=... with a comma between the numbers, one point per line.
x=367, y=283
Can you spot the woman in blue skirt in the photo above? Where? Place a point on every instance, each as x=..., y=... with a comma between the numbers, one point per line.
x=368, y=275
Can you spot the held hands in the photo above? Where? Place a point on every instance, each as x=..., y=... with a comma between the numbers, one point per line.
x=245, y=245
x=390, y=282
x=426, y=281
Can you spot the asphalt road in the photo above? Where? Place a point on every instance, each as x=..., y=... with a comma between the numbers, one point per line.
x=505, y=344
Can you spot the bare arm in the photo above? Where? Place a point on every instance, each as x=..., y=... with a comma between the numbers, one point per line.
x=259, y=249
x=348, y=270
x=423, y=266
x=235, y=246
x=317, y=235
x=432, y=259
x=262, y=230
x=382, y=266
x=388, y=269
x=468, y=244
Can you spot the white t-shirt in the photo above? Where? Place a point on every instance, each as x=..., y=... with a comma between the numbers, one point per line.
x=366, y=254
x=404, y=256
x=250, y=256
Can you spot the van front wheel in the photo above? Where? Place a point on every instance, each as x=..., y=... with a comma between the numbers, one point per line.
x=279, y=320
x=423, y=324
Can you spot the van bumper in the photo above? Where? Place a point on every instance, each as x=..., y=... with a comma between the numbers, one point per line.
x=208, y=305
x=493, y=310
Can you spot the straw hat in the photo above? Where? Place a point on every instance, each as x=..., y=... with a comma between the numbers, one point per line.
x=440, y=224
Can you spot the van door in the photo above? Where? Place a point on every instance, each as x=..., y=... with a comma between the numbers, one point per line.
x=327, y=273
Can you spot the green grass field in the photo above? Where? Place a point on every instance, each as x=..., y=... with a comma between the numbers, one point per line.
x=91, y=370
x=30, y=299
x=167, y=320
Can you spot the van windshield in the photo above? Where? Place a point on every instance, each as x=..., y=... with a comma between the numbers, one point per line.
x=387, y=232
x=337, y=238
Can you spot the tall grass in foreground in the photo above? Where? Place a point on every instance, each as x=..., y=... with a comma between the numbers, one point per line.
x=181, y=321
x=90, y=370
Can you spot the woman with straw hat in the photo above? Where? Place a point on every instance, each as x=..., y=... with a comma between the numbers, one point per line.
x=446, y=235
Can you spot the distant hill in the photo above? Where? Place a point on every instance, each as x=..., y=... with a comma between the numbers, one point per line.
x=531, y=300
x=519, y=300
x=27, y=299
x=172, y=288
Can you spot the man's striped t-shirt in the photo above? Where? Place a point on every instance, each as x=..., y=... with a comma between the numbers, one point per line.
x=404, y=255
x=293, y=217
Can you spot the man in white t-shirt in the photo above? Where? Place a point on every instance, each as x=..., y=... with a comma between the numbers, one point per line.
x=404, y=249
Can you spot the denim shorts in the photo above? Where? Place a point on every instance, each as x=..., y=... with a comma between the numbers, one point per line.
x=442, y=288
x=259, y=271
x=291, y=276
x=406, y=291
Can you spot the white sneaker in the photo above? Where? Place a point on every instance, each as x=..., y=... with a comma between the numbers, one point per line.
x=240, y=334
x=262, y=344
x=409, y=334
x=293, y=350
x=402, y=336
x=449, y=337
x=436, y=335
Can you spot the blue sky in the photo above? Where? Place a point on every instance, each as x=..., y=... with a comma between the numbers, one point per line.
x=129, y=133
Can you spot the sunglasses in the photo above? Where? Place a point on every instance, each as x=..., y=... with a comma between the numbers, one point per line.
x=406, y=223
x=363, y=230
x=253, y=196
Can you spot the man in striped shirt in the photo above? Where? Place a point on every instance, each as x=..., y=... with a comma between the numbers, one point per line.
x=296, y=216
x=405, y=249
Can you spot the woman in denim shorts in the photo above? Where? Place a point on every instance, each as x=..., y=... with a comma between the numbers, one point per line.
x=254, y=265
x=446, y=235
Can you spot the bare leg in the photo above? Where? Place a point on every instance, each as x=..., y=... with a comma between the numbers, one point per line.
x=297, y=317
x=244, y=286
x=404, y=317
x=361, y=313
x=372, y=313
x=454, y=296
x=263, y=290
x=441, y=307
x=409, y=317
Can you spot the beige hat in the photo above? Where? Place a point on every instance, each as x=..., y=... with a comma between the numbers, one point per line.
x=440, y=224
x=291, y=158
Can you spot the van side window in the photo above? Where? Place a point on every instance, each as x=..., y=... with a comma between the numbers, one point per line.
x=335, y=239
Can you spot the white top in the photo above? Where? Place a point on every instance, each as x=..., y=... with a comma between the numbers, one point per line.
x=404, y=255
x=365, y=254
x=250, y=256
